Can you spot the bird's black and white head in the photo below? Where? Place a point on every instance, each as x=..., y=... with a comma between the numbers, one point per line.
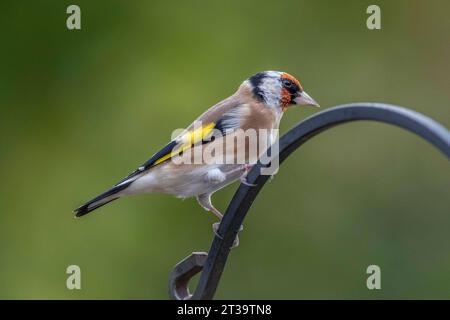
x=279, y=90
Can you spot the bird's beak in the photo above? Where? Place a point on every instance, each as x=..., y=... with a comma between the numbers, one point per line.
x=304, y=99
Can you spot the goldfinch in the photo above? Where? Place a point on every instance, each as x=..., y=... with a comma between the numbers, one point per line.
x=258, y=104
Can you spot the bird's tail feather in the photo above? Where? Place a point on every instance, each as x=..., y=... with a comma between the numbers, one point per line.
x=106, y=197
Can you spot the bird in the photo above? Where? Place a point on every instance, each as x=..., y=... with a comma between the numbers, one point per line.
x=258, y=104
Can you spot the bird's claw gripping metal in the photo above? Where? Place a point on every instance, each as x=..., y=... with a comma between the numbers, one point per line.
x=244, y=181
x=215, y=228
x=243, y=177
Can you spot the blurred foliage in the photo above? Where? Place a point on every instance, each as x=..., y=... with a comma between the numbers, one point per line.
x=81, y=109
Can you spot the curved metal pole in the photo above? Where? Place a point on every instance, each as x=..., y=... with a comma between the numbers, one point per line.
x=213, y=263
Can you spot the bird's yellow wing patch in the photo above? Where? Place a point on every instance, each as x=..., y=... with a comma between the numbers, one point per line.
x=186, y=141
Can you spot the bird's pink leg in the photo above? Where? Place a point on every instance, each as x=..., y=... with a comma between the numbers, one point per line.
x=205, y=202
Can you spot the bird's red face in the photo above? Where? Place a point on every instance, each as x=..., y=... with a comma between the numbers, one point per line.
x=280, y=89
x=291, y=87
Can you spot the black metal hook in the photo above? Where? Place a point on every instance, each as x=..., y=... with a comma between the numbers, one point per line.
x=183, y=272
x=212, y=264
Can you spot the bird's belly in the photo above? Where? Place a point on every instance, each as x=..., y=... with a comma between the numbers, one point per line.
x=185, y=180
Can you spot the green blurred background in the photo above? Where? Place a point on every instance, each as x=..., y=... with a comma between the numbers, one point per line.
x=81, y=109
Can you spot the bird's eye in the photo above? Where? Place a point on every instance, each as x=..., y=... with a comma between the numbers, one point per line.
x=287, y=83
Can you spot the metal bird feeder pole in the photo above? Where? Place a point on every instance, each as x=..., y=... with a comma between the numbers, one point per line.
x=212, y=264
